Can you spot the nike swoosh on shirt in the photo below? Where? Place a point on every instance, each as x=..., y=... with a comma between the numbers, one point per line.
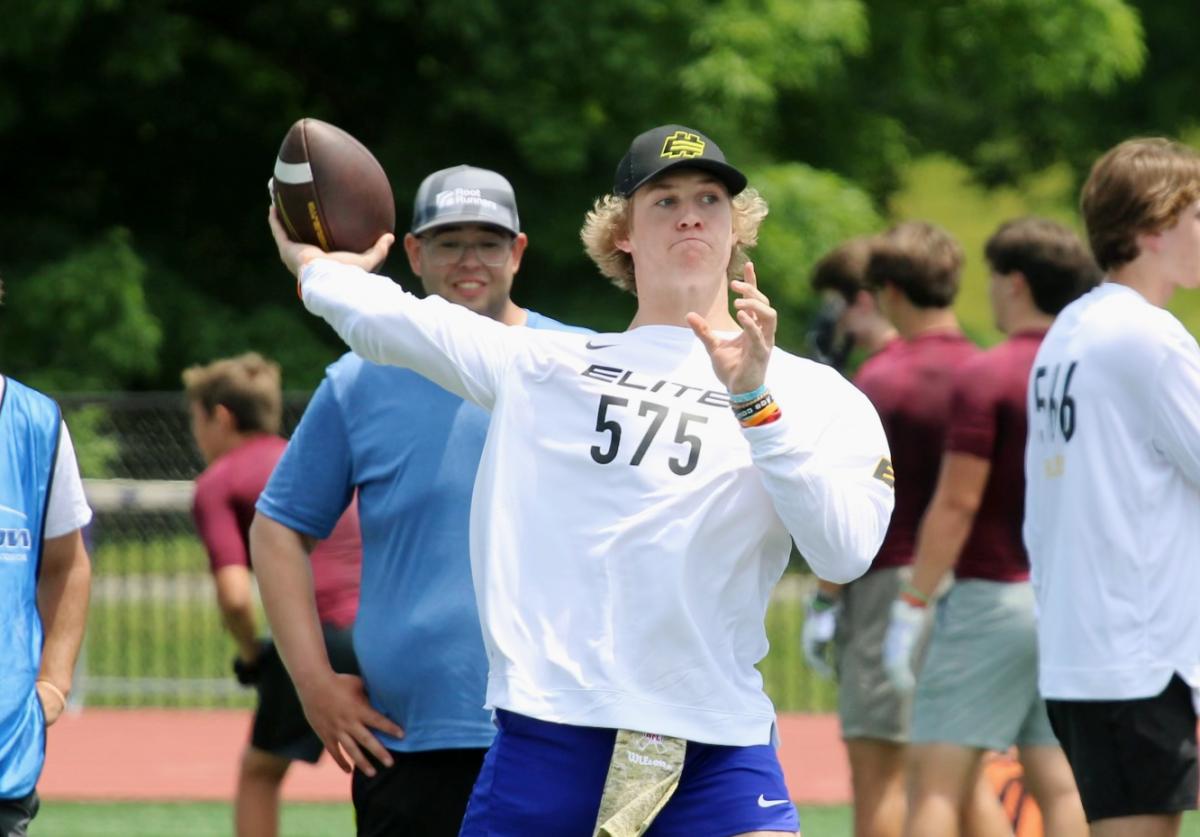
x=592, y=345
x=770, y=803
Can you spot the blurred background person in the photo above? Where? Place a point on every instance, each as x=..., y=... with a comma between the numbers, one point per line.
x=236, y=408
x=1112, y=502
x=977, y=690
x=913, y=271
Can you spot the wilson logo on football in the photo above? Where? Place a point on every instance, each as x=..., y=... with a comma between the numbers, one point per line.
x=682, y=145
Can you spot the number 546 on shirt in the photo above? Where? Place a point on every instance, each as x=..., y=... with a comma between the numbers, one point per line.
x=1055, y=407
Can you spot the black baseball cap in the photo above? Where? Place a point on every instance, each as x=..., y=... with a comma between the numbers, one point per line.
x=465, y=195
x=669, y=147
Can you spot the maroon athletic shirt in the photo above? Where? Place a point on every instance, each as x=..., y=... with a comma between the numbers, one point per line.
x=223, y=508
x=909, y=383
x=988, y=420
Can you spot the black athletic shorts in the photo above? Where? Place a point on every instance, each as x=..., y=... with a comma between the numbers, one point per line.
x=15, y=815
x=280, y=727
x=422, y=793
x=1131, y=757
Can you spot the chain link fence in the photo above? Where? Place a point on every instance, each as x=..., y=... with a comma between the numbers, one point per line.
x=155, y=636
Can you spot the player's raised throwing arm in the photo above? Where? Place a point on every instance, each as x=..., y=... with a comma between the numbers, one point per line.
x=453, y=347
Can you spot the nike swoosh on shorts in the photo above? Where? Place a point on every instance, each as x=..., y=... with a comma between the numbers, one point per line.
x=770, y=803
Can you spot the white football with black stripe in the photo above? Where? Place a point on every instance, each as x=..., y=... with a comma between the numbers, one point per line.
x=330, y=190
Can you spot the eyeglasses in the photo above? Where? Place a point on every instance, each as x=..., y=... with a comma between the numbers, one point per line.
x=447, y=250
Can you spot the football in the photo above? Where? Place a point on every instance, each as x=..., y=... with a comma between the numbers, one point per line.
x=330, y=190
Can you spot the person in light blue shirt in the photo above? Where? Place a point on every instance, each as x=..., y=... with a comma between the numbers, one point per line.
x=410, y=450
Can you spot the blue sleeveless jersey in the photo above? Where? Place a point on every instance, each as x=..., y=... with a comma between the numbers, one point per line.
x=29, y=428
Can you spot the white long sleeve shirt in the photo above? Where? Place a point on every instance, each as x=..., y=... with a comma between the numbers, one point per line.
x=1112, y=499
x=625, y=531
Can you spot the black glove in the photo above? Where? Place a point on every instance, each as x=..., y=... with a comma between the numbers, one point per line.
x=248, y=674
x=824, y=346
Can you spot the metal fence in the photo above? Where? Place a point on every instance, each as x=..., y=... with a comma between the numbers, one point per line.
x=155, y=636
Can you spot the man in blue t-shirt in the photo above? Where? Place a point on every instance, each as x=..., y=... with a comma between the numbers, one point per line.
x=410, y=449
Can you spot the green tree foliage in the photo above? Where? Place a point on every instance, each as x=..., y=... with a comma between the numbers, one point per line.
x=164, y=118
x=81, y=322
x=982, y=80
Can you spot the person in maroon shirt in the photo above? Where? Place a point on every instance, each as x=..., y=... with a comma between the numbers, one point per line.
x=977, y=690
x=236, y=409
x=912, y=273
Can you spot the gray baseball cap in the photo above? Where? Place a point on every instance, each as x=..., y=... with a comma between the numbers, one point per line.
x=465, y=195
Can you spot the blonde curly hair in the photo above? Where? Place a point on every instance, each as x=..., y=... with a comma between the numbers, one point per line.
x=608, y=221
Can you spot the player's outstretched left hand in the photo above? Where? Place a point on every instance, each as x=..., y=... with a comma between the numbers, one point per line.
x=295, y=255
x=741, y=362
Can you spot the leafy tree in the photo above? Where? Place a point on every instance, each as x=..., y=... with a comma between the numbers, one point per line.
x=81, y=322
x=164, y=118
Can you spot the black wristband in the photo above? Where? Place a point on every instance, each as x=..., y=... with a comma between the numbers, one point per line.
x=249, y=673
x=246, y=673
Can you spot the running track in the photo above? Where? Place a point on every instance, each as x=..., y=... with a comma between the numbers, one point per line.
x=165, y=754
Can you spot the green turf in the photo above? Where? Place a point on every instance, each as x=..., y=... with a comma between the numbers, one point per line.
x=196, y=819
x=210, y=819
x=202, y=819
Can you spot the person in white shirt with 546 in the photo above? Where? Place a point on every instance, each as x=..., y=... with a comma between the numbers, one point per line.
x=1112, y=502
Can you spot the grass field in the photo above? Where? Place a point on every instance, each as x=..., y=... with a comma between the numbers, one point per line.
x=212, y=819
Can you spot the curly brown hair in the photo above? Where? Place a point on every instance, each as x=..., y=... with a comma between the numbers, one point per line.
x=608, y=222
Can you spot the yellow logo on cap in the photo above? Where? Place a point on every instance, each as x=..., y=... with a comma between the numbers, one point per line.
x=682, y=144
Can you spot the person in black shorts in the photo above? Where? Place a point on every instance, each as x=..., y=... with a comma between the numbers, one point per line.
x=1112, y=503
x=236, y=409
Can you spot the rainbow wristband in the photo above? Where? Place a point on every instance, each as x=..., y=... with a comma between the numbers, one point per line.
x=913, y=596
x=772, y=413
x=763, y=410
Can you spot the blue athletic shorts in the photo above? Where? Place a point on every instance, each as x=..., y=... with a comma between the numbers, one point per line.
x=544, y=778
